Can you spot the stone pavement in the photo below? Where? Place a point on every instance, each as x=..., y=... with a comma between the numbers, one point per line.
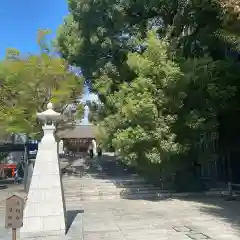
x=106, y=218
x=166, y=220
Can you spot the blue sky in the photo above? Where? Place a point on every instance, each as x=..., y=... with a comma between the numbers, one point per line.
x=21, y=19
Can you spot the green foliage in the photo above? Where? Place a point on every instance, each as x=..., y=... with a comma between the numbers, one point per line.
x=168, y=106
x=96, y=112
x=141, y=128
x=161, y=91
x=28, y=83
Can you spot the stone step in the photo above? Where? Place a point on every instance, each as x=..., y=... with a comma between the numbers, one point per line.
x=97, y=191
x=109, y=181
x=106, y=184
x=89, y=183
x=109, y=188
x=107, y=194
x=113, y=189
x=116, y=197
x=82, y=186
x=99, y=187
x=102, y=177
x=70, y=201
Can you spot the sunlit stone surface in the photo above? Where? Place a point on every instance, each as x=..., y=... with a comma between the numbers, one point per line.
x=44, y=212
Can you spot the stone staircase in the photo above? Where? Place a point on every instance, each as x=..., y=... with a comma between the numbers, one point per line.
x=105, y=179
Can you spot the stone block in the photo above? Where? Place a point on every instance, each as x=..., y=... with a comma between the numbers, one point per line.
x=47, y=181
x=54, y=223
x=51, y=194
x=47, y=209
x=51, y=168
x=37, y=196
x=32, y=224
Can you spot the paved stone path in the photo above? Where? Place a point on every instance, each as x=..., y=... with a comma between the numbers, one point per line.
x=165, y=220
x=108, y=217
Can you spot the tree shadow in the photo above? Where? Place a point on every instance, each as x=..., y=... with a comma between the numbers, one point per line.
x=70, y=217
x=70, y=158
x=109, y=169
x=228, y=211
x=74, y=171
x=68, y=167
x=128, y=183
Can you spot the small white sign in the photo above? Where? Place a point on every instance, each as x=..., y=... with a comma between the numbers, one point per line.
x=14, y=212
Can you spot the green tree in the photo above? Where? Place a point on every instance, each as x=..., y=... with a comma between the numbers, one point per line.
x=145, y=110
x=29, y=82
x=196, y=40
x=97, y=36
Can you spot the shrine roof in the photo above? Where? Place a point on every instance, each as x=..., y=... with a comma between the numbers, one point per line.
x=78, y=131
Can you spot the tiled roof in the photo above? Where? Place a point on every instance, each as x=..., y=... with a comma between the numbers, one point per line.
x=79, y=131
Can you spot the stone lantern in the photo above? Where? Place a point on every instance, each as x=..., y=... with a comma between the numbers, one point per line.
x=49, y=118
x=44, y=213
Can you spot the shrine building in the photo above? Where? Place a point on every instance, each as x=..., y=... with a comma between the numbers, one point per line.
x=78, y=138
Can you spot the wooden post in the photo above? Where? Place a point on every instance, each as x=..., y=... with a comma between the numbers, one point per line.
x=14, y=234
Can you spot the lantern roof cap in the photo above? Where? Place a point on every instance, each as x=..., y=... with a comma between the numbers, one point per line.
x=49, y=114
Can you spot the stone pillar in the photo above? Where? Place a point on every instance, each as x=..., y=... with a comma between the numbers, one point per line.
x=44, y=213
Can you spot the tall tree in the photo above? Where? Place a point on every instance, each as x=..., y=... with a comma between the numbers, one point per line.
x=109, y=41
x=97, y=36
x=29, y=82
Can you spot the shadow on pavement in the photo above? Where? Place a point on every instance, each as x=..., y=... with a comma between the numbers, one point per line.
x=126, y=180
x=71, y=215
x=228, y=211
x=133, y=187
x=74, y=171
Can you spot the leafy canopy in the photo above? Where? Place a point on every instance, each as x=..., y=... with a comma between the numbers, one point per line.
x=162, y=95
x=29, y=82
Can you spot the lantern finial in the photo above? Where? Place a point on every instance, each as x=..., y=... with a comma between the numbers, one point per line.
x=50, y=106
